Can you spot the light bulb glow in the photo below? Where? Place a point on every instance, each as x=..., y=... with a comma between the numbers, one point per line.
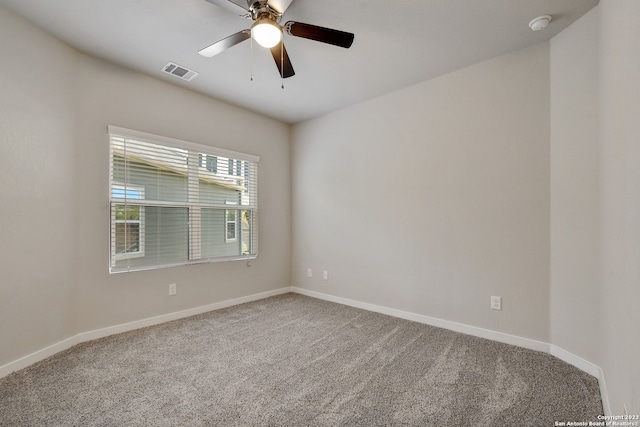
x=266, y=33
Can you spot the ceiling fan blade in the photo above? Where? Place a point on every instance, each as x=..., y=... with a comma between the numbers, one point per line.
x=237, y=7
x=320, y=34
x=226, y=43
x=280, y=6
x=281, y=57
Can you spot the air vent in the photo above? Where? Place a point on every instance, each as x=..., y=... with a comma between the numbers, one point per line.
x=179, y=71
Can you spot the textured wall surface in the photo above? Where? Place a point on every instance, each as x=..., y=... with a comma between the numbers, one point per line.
x=434, y=198
x=57, y=104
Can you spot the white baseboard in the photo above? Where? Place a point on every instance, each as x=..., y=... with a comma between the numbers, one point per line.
x=587, y=367
x=81, y=337
x=37, y=356
x=556, y=351
x=433, y=321
x=143, y=323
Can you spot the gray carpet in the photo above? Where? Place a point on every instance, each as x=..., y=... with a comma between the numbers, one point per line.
x=292, y=360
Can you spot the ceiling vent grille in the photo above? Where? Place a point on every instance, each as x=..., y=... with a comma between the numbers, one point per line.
x=179, y=71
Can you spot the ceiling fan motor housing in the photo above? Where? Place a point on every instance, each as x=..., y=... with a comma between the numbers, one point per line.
x=261, y=10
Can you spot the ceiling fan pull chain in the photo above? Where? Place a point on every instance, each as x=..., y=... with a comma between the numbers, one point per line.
x=251, y=59
x=282, y=64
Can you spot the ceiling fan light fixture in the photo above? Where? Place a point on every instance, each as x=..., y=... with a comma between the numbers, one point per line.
x=266, y=32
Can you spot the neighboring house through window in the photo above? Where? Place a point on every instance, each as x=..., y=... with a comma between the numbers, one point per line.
x=231, y=225
x=211, y=163
x=129, y=223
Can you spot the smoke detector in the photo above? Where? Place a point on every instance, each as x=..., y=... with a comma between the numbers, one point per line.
x=540, y=23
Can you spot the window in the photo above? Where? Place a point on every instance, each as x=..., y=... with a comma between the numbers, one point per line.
x=231, y=226
x=212, y=164
x=170, y=202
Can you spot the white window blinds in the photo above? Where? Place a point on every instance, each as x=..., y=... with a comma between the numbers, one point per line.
x=175, y=203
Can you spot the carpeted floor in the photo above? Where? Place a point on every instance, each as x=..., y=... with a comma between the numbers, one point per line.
x=292, y=360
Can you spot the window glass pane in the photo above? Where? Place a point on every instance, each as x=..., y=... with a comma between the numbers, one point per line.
x=231, y=225
x=160, y=171
x=166, y=237
x=246, y=232
x=215, y=184
x=219, y=192
x=127, y=212
x=215, y=234
x=129, y=193
x=127, y=238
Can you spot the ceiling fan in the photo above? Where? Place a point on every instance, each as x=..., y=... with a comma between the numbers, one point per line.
x=267, y=31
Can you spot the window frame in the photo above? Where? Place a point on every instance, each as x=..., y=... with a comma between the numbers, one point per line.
x=196, y=163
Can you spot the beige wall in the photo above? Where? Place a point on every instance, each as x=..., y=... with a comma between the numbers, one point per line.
x=56, y=106
x=433, y=198
x=619, y=166
x=112, y=95
x=595, y=194
x=37, y=185
x=575, y=282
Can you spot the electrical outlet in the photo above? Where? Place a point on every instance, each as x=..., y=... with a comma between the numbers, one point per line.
x=172, y=289
x=325, y=275
x=496, y=303
x=309, y=272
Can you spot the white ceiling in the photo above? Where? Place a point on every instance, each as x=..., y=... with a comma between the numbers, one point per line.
x=397, y=44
